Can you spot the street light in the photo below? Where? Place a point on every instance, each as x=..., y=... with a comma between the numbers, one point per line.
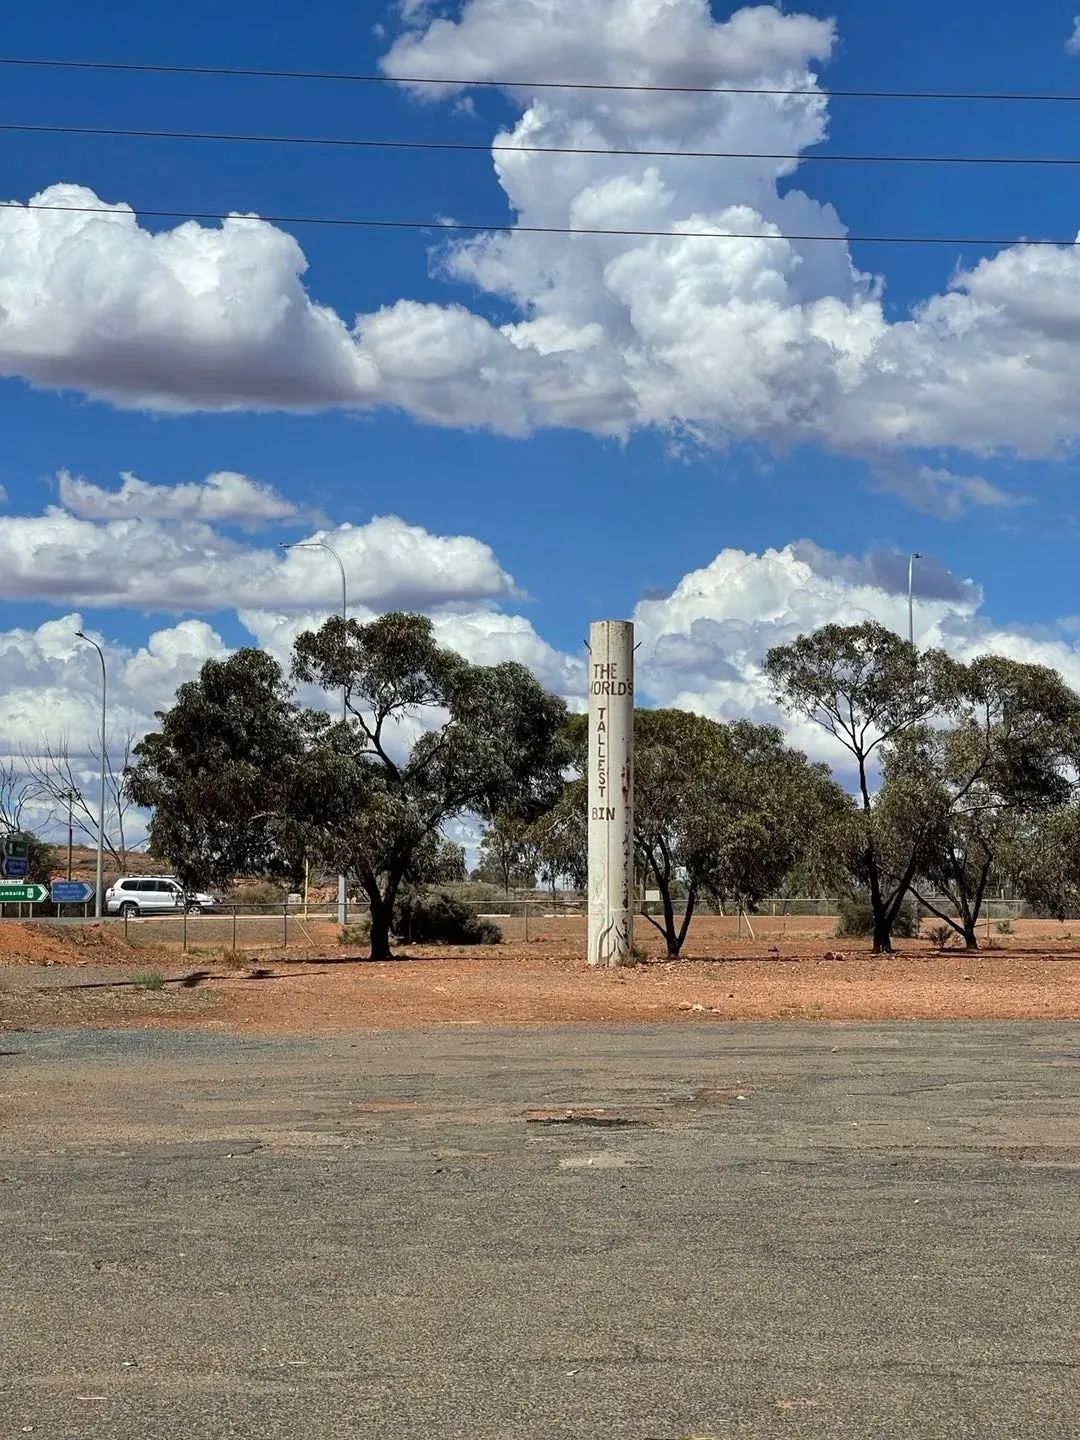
x=100, y=888
x=342, y=897
x=915, y=555
x=70, y=796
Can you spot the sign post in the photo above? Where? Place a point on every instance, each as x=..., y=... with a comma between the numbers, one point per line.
x=12, y=893
x=611, y=792
x=70, y=892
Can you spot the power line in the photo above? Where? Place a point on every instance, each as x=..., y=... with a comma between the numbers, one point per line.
x=359, y=78
x=363, y=223
x=362, y=143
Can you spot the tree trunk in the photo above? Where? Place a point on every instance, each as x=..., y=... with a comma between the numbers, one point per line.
x=381, y=915
x=883, y=919
x=688, y=915
x=672, y=939
x=971, y=940
x=882, y=935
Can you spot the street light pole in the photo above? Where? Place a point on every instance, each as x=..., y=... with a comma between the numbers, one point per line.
x=342, y=895
x=911, y=596
x=70, y=796
x=100, y=886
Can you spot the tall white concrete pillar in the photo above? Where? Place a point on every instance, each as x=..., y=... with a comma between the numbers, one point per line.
x=611, y=792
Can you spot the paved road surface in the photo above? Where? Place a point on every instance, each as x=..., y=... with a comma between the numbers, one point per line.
x=855, y=1232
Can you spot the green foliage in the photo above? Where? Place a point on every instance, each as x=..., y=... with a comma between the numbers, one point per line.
x=507, y=854
x=376, y=812
x=440, y=919
x=256, y=894
x=862, y=683
x=242, y=781
x=1044, y=861
x=964, y=790
x=148, y=980
x=855, y=919
x=450, y=867
x=866, y=687
x=727, y=810
x=940, y=935
x=474, y=892
x=356, y=933
x=44, y=859
x=218, y=772
x=1004, y=927
x=559, y=839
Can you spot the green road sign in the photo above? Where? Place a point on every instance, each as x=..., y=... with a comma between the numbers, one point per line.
x=16, y=849
x=12, y=893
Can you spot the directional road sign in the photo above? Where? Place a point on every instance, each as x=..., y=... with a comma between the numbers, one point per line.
x=16, y=848
x=15, y=867
x=70, y=892
x=11, y=892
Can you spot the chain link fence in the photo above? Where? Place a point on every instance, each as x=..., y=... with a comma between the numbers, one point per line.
x=292, y=926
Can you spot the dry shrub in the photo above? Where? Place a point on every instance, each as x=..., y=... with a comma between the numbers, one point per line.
x=855, y=919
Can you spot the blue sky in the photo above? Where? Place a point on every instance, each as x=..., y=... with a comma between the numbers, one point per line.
x=587, y=525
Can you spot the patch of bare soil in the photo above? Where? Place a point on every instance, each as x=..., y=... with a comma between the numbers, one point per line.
x=511, y=987
x=89, y=944
x=798, y=977
x=118, y=1002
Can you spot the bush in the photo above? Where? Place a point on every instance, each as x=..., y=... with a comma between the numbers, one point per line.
x=1004, y=927
x=148, y=980
x=940, y=935
x=440, y=919
x=357, y=932
x=856, y=919
x=476, y=892
x=256, y=892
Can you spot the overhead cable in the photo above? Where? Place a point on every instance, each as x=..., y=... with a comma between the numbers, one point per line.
x=475, y=83
x=514, y=147
x=478, y=227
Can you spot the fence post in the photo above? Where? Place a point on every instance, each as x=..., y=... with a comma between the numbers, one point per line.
x=234, y=928
x=125, y=920
x=526, y=903
x=285, y=918
x=183, y=945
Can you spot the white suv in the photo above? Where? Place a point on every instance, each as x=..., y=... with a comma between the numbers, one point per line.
x=150, y=895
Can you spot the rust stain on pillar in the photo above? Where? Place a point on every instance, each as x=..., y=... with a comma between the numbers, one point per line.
x=611, y=792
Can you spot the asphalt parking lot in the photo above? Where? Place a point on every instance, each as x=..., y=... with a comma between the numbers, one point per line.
x=858, y=1231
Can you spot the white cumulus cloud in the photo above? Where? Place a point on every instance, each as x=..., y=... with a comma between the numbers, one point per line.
x=51, y=680
x=1072, y=44
x=186, y=565
x=704, y=645
x=770, y=339
x=193, y=318
x=482, y=633
x=222, y=498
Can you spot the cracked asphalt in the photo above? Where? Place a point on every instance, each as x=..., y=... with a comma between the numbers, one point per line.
x=861, y=1232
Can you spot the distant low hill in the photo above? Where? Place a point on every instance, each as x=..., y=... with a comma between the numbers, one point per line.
x=84, y=863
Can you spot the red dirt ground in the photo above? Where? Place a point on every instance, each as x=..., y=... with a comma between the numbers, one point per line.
x=89, y=944
x=1034, y=974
